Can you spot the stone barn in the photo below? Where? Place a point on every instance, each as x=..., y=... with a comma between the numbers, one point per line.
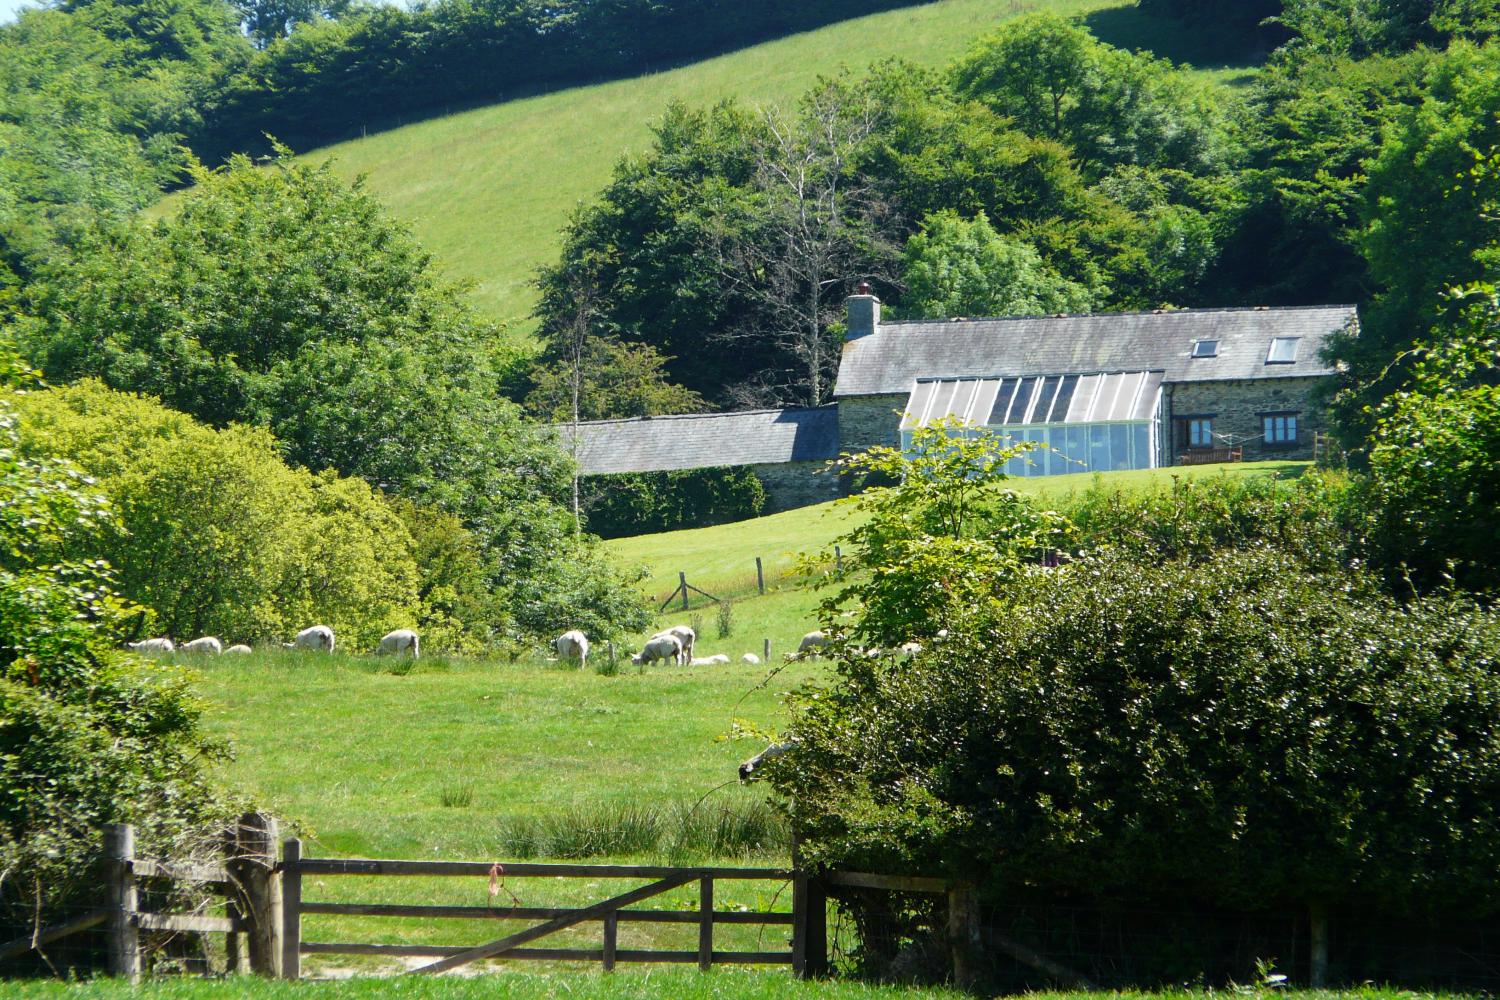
x=1098, y=392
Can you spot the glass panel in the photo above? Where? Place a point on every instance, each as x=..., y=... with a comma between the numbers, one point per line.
x=1002, y=402
x=941, y=401
x=1064, y=398
x=1140, y=455
x=984, y=401
x=1291, y=428
x=1119, y=446
x=1098, y=448
x=916, y=406
x=1023, y=398
x=1077, y=449
x=1043, y=412
x=1283, y=350
x=1205, y=348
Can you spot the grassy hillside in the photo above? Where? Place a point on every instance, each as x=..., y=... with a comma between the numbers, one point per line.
x=489, y=190
x=723, y=557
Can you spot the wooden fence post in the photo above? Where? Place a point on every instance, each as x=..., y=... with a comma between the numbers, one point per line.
x=963, y=935
x=1317, y=946
x=760, y=575
x=257, y=891
x=682, y=584
x=766, y=651
x=124, y=935
x=838, y=557
x=611, y=939
x=291, y=910
x=705, y=924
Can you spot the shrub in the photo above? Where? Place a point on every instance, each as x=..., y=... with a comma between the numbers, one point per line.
x=646, y=502
x=88, y=734
x=216, y=533
x=1235, y=730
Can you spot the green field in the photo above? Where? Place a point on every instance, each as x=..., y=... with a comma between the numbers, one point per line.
x=488, y=191
x=723, y=557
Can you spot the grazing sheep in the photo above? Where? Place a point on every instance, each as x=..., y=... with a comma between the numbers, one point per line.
x=750, y=658
x=909, y=649
x=152, y=646
x=207, y=644
x=748, y=769
x=317, y=637
x=403, y=640
x=659, y=647
x=812, y=644
x=686, y=636
x=572, y=645
x=238, y=649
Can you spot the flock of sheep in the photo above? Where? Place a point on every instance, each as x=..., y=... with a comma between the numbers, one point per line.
x=318, y=638
x=674, y=645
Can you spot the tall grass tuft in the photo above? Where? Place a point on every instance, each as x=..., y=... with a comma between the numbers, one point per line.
x=457, y=796
x=726, y=619
x=673, y=831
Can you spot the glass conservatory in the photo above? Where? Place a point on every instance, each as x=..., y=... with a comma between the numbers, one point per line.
x=1084, y=423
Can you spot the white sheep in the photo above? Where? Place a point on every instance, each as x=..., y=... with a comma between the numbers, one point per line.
x=717, y=660
x=316, y=637
x=238, y=649
x=812, y=644
x=684, y=635
x=207, y=644
x=572, y=645
x=659, y=647
x=403, y=640
x=162, y=645
x=750, y=658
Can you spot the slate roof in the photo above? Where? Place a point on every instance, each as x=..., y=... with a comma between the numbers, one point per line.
x=889, y=360
x=703, y=440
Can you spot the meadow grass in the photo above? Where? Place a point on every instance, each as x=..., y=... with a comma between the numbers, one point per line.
x=489, y=190
x=624, y=984
x=722, y=558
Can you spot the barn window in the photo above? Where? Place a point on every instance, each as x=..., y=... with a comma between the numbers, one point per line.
x=1283, y=351
x=1279, y=429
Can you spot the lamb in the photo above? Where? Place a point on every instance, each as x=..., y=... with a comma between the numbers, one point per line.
x=207, y=644
x=751, y=659
x=572, y=645
x=659, y=647
x=316, y=637
x=403, y=640
x=162, y=645
x=238, y=649
x=718, y=659
x=686, y=636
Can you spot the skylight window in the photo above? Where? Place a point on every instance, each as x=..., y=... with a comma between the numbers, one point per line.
x=1283, y=351
x=1205, y=348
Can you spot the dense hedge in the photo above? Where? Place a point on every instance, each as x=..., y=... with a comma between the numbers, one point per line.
x=1236, y=731
x=644, y=502
x=332, y=78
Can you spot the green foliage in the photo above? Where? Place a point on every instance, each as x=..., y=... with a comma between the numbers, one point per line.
x=643, y=502
x=959, y=267
x=939, y=546
x=216, y=533
x=1433, y=489
x=613, y=380
x=1231, y=732
x=88, y=734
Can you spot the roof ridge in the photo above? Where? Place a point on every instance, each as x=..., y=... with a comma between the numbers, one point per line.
x=697, y=416
x=1341, y=306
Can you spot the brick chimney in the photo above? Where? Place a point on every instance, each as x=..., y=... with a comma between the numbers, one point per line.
x=863, y=311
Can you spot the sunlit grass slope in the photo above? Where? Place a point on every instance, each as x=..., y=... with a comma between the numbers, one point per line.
x=724, y=556
x=489, y=190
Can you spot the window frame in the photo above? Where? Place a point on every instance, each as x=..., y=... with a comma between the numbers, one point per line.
x=1196, y=354
x=1272, y=359
x=1187, y=421
x=1292, y=420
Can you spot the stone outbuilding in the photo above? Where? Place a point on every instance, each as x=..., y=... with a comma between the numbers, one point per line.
x=1098, y=392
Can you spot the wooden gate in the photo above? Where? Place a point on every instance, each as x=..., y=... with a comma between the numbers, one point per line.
x=807, y=916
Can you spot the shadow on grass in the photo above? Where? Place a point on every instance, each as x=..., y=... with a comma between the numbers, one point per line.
x=1205, y=46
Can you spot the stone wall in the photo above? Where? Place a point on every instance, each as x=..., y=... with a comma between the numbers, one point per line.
x=870, y=420
x=1236, y=409
x=796, y=484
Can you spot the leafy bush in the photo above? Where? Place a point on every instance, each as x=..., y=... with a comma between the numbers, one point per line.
x=1235, y=730
x=88, y=734
x=216, y=533
x=645, y=502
